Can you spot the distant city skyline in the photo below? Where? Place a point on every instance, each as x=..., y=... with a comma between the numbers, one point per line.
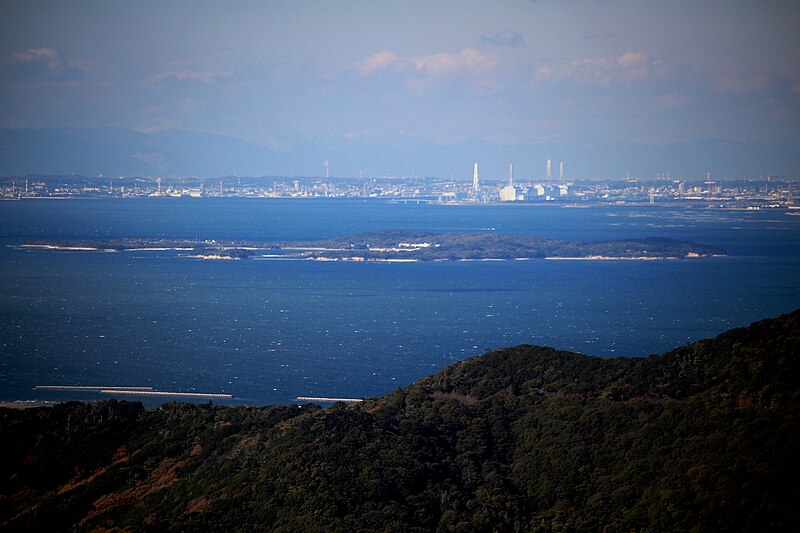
x=415, y=87
x=773, y=193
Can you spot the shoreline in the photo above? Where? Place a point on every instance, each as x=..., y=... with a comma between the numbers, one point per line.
x=399, y=246
x=609, y=258
x=360, y=259
x=694, y=204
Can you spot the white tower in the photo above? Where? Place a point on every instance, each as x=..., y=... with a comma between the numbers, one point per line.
x=561, y=173
x=509, y=193
x=475, y=184
x=548, y=177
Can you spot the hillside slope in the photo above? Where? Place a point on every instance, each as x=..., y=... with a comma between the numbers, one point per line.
x=703, y=438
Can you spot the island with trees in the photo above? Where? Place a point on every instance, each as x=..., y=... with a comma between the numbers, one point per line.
x=408, y=246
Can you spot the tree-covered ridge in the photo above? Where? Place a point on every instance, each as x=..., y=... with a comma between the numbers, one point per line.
x=417, y=246
x=703, y=438
x=729, y=365
x=427, y=246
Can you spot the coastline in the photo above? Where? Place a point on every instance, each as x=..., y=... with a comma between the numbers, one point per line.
x=610, y=258
x=401, y=246
x=361, y=259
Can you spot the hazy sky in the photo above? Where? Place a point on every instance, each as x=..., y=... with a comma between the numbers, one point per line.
x=290, y=73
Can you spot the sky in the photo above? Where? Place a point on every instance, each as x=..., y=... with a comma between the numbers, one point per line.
x=346, y=76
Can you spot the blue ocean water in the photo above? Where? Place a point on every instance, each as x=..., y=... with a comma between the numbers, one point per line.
x=269, y=331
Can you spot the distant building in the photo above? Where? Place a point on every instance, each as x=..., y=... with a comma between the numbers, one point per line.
x=508, y=194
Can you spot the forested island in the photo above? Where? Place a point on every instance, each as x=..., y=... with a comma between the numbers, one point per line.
x=399, y=245
x=703, y=438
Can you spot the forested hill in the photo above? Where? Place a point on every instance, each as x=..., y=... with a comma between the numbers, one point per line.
x=413, y=246
x=703, y=438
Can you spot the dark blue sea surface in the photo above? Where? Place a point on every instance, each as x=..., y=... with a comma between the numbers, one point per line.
x=269, y=331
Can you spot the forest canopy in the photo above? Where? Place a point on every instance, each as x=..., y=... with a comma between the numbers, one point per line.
x=702, y=438
x=412, y=246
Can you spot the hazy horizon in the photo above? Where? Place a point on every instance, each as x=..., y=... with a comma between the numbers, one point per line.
x=415, y=88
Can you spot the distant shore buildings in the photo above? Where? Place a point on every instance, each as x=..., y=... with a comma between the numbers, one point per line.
x=661, y=190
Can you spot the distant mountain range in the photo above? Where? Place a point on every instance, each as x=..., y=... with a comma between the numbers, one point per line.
x=119, y=152
x=169, y=153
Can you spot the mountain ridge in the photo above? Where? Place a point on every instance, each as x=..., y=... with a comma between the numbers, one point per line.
x=173, y=153
x=705, y=437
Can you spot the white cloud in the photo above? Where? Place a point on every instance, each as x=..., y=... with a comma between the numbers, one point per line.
x=633, y=59
x=39, y=64
x=423, y=73
x=630, y=67
x=46, y=56
x=468, y=60
x=376, y=62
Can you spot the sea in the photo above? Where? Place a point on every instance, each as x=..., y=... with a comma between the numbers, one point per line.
x=270, y=331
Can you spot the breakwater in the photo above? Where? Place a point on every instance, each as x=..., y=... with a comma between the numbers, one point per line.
x=135, y=391
x=320, y=399
x=167, y=393
x=90, y=388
